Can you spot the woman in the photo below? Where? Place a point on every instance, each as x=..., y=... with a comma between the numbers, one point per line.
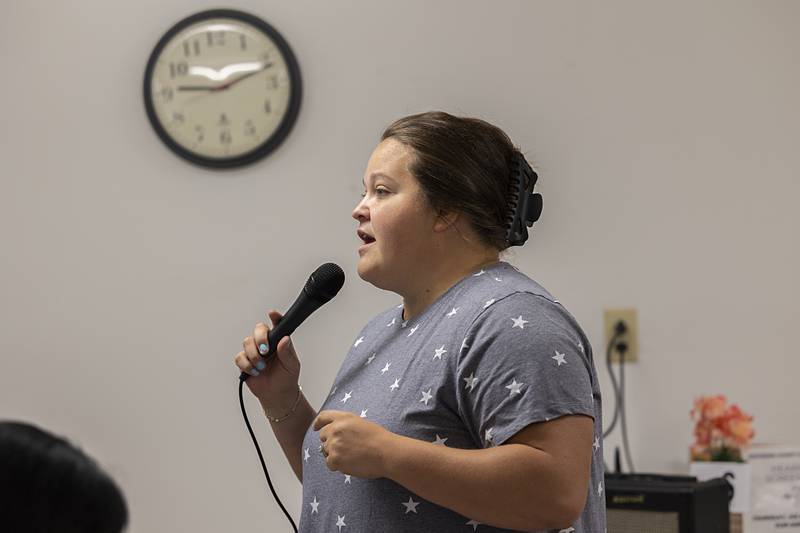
x=47, y=485
x=473, y=405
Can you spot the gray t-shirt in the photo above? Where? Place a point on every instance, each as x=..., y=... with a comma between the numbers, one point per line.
x=490, y=356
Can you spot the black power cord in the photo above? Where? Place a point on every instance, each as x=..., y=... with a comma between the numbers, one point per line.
x=622, y=347
x=620, y=328
x=261, y=457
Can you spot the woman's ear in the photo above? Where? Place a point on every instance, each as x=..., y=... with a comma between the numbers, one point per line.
x=445, y=219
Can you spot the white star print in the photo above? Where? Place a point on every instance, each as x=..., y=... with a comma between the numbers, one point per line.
x=413, y=330
x=600, y=489
x=454, y=311
x=314, y=506
x=426, y=396
x=474, y=524
x=489, y=437
x=439, y=352
x=364, y=413
x=498, y=279
x=369, y=360
x=514, y=387
x=396, y=384
x=340, y=522
x=519, y=322
x=488, y=303
x=404, y=324
x=559, y=357
x=333, y=391
x=400, y=306
x=482, y=272
x=306, y=455
x=411, y=505
x=383, y=371
x=464, y=344
x=359, y=341
x=440, y=441
x=347, y=479
x=391, y=323
x=347, y=396
x=596, y=444
x=580, y=346
x=471, y=381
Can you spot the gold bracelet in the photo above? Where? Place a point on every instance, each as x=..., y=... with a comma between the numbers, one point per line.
x=287, y=415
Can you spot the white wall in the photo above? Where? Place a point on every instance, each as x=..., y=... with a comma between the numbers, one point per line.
x=665, y=134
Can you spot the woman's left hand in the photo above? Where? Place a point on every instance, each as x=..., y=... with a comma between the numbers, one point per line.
x=353, y=444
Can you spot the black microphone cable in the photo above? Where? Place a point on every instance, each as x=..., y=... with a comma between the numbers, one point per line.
x=261, y=457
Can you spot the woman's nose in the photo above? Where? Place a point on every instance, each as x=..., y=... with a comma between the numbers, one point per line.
x=361, y=210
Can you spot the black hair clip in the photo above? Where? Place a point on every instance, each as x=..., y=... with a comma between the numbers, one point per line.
x=525, y=206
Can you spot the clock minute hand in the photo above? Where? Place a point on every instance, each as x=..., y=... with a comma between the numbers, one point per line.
x=240, y=78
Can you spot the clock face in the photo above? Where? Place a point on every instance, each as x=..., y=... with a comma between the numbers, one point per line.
x=222, y=88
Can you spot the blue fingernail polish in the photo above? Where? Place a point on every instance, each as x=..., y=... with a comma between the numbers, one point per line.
x=254, y=372
x=262, y=348
x=261, y=365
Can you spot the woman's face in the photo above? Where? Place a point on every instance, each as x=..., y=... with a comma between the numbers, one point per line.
x=395, y=213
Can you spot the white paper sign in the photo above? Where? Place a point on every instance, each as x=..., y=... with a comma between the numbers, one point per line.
x=775, y=475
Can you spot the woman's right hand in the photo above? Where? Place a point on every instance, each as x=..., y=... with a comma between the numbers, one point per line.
x=273, y=380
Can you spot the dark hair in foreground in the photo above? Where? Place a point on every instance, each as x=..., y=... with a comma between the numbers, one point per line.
x=49, y=486
x=462, y=164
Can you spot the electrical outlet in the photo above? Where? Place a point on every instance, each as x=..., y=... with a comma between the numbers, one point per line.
x=631, y=337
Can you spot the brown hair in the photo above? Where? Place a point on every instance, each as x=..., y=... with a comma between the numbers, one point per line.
x=462, y=164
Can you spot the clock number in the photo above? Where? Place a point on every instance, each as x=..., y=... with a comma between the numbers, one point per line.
x=166, y=94
x=223, y=120
x=200, y=133
x=268, y=107
x=177, y=118
x=215, y=39
x=180, y=69
x=272, y=82
x=187, y=48
x=243, y=41
x=225, y=137
x=249, y=128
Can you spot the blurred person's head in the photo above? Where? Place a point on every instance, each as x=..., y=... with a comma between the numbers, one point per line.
x=47, y=485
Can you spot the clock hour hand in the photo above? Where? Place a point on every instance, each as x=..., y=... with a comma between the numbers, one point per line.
x=195, y=88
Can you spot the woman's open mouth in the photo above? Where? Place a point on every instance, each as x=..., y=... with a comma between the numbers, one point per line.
x=366, y=238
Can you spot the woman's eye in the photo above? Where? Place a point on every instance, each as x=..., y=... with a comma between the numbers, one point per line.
x=377, y=191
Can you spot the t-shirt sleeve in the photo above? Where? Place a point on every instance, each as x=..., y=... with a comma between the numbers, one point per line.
x=522, y=362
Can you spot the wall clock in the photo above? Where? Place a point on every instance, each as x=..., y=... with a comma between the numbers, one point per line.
x=222, y=88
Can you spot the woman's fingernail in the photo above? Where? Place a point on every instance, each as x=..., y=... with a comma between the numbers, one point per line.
x=254, y=372
x=261, y=365
x=262, y=348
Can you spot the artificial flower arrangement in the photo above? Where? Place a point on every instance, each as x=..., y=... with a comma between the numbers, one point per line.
x=721, y=431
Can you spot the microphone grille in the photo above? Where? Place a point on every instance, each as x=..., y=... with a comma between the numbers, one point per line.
x=325, y=282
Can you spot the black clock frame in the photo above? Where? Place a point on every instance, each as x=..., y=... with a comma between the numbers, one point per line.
x=286, y=124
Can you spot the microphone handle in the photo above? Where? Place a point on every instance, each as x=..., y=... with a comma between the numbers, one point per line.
x=302, y=307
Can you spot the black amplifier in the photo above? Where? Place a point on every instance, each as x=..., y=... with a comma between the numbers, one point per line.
x=654, y=503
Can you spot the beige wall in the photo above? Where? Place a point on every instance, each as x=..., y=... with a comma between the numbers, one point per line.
x=666, y=136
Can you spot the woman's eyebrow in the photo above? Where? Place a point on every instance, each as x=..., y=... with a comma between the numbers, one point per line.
x=377, y=175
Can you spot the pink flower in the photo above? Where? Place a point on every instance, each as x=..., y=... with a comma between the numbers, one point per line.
x=720, y=430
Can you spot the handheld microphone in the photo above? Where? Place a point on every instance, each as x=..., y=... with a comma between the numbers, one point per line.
x=320, y=288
